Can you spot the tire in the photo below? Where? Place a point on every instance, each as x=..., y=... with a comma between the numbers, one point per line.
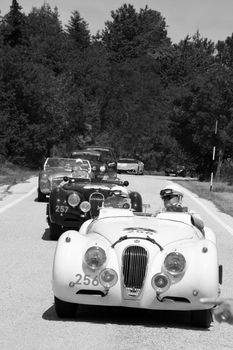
x=55, y=231
x=41, y=196
x=136, y=201
x=64, y=309
x=201, y=318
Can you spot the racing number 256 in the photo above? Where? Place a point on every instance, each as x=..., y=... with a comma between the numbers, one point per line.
x=86, y=280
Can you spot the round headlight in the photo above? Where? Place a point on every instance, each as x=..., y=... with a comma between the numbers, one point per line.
x=85, y=206
x=108, y=278
x=174, y=263
x=95, y=257
x=102, y=168
x=94, y=168
x=44, y=176
x=160, y=282
x=73, y=199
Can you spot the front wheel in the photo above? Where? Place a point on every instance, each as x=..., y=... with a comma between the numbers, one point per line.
x=55, y=231
x=65, y=309
x=201, y=318
x=41, y=196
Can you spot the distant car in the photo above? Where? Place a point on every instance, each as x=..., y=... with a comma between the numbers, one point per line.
x=128, y=260
x=100, y=165
x=130, y=165
x=77, y=200
x=54, y=169
x=179, y=170
x=107, y=154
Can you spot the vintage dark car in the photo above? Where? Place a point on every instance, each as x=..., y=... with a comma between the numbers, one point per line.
x=100, y=164
x=108, y=154
x=79, y=199
x=178, y=170
x=54, y=169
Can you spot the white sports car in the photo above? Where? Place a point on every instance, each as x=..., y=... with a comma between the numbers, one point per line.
x=128, y=165
x=137, y=260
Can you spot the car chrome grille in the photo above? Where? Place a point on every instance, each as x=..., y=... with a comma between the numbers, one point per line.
x=134, y=269
x=96, y=199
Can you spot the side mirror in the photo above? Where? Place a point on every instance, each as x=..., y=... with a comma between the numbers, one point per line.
x=126, y=183
x=111, y=164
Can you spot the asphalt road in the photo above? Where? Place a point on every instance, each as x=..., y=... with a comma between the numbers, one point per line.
x=28, y=319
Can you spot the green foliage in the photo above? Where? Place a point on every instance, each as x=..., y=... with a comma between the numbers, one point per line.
x=128, y=87
x=78, y=31
x=131, y=34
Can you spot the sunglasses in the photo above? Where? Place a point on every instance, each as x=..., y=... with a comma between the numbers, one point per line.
x=167, y=198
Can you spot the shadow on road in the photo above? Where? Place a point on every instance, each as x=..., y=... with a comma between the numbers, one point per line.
x=126, y=316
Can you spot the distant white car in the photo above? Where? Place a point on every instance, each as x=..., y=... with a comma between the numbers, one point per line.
x=135, y=260
x=130, y=165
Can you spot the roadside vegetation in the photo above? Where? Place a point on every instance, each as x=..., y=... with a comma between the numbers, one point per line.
x=128, y=87
x=11, y=174
x=221, y=194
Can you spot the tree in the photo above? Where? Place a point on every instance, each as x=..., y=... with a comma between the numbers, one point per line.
x=13, y=25
x=131, y=34
x=78, y=30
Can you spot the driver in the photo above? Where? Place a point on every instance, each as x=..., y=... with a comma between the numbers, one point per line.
x=78, y=170
x=172, y=199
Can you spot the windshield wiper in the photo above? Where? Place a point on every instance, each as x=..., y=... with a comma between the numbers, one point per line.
x=152, y=240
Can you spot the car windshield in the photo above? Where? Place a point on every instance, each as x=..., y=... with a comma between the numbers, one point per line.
x=106, y=155
x=59, y=162
x=66, y=163
x=127, y=160
x=93, y=157
x=117, y=201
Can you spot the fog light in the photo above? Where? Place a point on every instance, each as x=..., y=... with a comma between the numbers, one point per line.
x=108, y=278
x=160, y=282
x=85, y=206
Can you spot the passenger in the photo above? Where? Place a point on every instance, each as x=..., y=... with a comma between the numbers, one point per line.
x=172, y=199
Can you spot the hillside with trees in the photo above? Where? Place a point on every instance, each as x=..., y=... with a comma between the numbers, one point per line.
x=128, y=87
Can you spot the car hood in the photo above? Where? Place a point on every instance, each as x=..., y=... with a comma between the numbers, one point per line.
x=162, y=231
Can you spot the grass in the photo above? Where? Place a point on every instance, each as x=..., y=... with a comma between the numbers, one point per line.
x=11, y=174
x=221, y=194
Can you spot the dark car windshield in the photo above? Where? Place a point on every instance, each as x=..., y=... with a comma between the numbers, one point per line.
x=127, y=160
x=93, y=157
x=106, y=155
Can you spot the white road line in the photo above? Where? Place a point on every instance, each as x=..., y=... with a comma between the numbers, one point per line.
x=17, y=200
x=214, y=216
